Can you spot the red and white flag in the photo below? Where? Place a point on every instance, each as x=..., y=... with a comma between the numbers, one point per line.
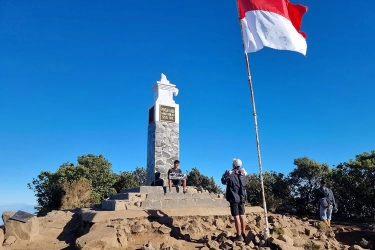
x=272, y=23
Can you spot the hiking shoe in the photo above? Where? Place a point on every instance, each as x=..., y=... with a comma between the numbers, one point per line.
x=238, y=238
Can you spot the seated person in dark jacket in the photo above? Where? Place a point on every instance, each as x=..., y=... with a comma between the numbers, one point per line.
x=176, y=182
x=158, y=181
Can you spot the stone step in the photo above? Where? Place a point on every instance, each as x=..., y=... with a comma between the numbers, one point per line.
x=151, y=197
x=163, y=196
x=118, y=205
x=145, y=190
x=169, y=196
x=128, y=196
x=113, y=205
x=95, y=216
x=161, y=190
x=184, y=203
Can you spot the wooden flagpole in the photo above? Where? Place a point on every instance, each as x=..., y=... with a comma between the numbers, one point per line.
x=266, y=229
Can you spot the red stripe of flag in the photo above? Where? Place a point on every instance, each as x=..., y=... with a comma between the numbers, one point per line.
x=292, y=12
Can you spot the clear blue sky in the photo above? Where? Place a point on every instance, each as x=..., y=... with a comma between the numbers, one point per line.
x=76, y=78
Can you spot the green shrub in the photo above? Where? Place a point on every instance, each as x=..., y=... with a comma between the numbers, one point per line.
x=279, y=230
x=322, y=226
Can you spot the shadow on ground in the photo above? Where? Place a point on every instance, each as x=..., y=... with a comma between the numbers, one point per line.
x=354, y=237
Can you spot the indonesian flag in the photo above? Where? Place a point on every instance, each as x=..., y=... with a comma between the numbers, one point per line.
x=272, y=23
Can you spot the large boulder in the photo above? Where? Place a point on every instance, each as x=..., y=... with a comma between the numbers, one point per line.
x=100, y=237
x=20, y=230
x=57, y=219
x=284, y=246
x=1, y=236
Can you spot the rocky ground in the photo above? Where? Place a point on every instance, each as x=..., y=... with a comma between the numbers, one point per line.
x=66, y=230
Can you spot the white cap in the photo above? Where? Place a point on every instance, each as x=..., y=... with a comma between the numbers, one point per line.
x=237, y=163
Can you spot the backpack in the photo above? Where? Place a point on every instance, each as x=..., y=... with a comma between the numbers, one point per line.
x=236, y=185
x=324, y=201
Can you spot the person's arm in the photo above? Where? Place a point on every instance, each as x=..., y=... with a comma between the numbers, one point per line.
x=169, y=181
x=224, y=178
x=334, y=201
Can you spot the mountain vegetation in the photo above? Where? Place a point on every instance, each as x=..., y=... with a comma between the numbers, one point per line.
x=92, y=180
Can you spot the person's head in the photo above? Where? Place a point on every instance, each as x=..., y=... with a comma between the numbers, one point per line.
x=322, y=182
x=176, y=163
x=237, y=163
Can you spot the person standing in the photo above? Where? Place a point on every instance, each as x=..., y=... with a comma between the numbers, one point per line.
x=235, y=180
x=176, y=183
x=326, y=200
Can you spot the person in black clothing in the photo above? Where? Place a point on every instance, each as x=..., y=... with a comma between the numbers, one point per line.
x=158, y=181
x=235, y=180
x=326, y=200
x=176, y=183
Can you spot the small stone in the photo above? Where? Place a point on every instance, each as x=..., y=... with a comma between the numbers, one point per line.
x=165, y=246
x=10, y=240
x=219, y=223
x=155, y=224
x=213, y=244
x=147, y=246
x=355, y=247
x=138, y=229
x=298, y=241
x=323, y=237
x=309, y=230
x=164, y=229
x=121, y=236
x=286, y=239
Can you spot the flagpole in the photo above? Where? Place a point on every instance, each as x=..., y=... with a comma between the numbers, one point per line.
x=266, y=230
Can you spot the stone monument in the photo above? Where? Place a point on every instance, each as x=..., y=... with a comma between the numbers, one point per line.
x=163, y=146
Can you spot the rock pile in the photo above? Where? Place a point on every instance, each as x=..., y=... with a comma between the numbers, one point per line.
x=163, y=229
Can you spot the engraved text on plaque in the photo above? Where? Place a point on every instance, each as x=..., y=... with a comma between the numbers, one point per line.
x=167, y=114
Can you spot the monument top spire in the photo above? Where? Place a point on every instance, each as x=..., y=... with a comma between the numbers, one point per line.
x=164, y=90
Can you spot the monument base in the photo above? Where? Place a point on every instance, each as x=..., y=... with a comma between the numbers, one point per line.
x=152, y=197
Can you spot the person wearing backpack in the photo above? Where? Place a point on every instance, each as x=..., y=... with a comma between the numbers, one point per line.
x=235, y=180
x=326, y=200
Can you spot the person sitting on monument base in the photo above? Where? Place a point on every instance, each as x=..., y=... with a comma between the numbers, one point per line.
x=176, y=182
x=158, y=181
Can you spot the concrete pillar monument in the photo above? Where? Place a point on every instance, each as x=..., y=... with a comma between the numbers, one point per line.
x=163, y=140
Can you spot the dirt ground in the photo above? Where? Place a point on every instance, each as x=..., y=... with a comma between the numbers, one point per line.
x=349, y=233
x=53, y=238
